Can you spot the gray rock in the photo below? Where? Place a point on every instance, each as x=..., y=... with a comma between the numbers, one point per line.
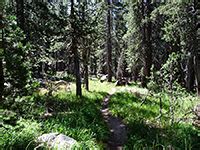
x=103, y=78
x=56, y=141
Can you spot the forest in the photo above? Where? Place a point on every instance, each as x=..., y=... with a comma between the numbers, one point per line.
x=94, y=75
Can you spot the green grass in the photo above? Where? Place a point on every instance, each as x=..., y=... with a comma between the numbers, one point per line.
x=80, y=118
x=146, y=130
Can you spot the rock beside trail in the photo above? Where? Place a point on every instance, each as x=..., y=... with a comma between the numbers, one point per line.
x=56, y=141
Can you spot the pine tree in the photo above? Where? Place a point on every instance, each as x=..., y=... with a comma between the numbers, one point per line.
x=109, y=41
x=74, y=49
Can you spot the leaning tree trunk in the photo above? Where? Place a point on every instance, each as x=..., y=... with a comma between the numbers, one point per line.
x=74, y=49
x=109, y=42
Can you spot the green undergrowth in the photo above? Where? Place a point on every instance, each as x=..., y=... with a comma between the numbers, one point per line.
x=150, y=127
x=79, y=118
x=23, y=120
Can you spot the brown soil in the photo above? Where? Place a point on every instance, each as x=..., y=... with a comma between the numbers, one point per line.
x=118, y=131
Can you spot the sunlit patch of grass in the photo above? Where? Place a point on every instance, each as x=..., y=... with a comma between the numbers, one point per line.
x=146, y=129
x=97, y=86
x=79, y=118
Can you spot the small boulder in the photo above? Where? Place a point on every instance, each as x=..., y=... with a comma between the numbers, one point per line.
x=56, y=141
x=103, y=78
x=63, y=142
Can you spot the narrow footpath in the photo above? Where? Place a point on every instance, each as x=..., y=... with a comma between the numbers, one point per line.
x=118, y=131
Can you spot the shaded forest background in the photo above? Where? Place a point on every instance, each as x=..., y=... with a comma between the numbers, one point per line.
x=121, y=39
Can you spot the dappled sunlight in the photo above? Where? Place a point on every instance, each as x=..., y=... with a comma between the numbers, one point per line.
x=146, y=126
x=95, y=75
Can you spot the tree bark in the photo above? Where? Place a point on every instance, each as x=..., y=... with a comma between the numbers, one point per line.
x=74, y=49
x=119, y=72
x=109, y=43
x=1, y=80
x=86, y=55
x=197, y=75
x=147, y=44
x=1, y=54
x=190, y=78
x=20, y=14
x=196, y=47
x=86, y=52
x=86, y=79
x=77, y=69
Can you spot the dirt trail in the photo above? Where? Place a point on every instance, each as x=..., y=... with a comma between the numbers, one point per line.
x=118, y=131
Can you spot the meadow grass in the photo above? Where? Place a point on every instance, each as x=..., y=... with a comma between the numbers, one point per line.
x=147, y=128
x=80, y=118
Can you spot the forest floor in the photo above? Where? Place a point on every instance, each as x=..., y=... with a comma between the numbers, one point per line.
x=127, y=116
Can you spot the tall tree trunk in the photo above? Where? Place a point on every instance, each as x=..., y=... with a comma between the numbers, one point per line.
x=147, y=43
x=197, y=75
x=86, y=56
x=190, y=78
x=1, y=53
x=197, y=46
x=93, y=65
x=20, y=14
x=109, y=42
x=119, y=72
x=77, y=69
x=74, y=49
x=86, y=52
x=86, y=79
x=1, y=80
